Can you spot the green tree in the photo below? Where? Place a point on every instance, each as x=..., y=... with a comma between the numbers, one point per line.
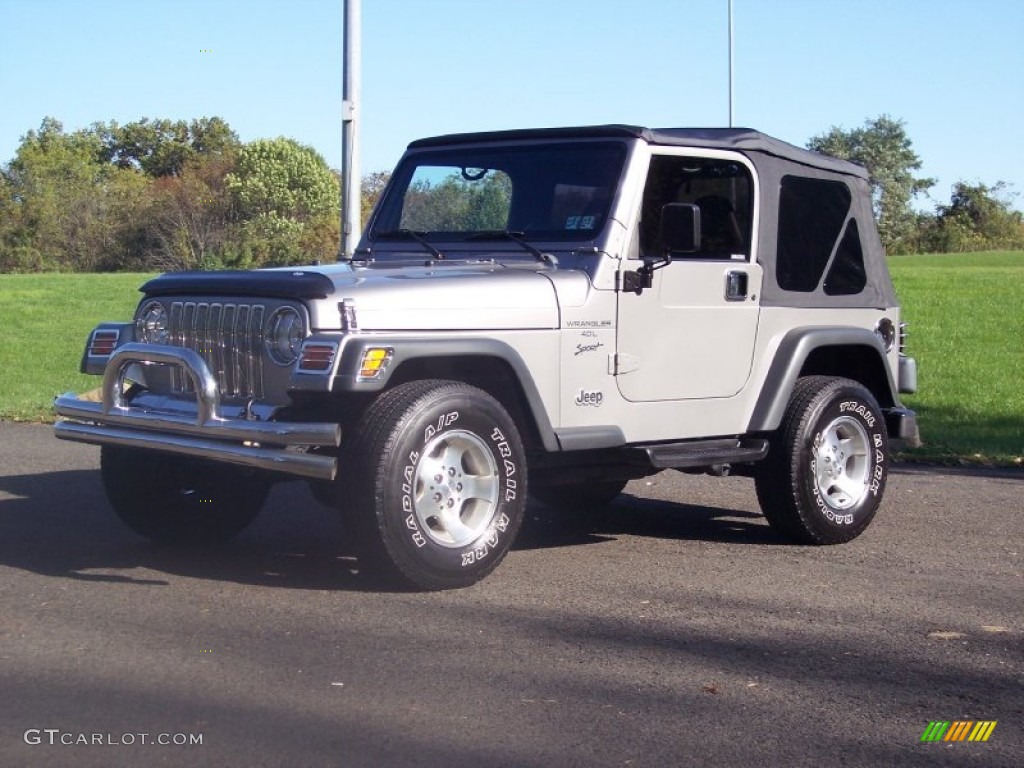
x=213, y=136
x=458, y=205
x=978, y=218
x=64, y=205
x=17, y=251
x=164, y=147
x=162, y=194
x=188, y=220
x=286, y=203
x=282, y=177
x=883, y=147
x=370, y=189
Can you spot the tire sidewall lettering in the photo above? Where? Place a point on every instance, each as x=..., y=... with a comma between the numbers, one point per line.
x=849, y=405
x=509, y=466
x=507, y=458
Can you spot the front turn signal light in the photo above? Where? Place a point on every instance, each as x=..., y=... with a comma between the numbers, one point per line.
x=102, y=343
x=317, y=357
x=375, y=361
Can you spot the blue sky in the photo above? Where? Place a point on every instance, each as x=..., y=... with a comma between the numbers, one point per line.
x=952, y=70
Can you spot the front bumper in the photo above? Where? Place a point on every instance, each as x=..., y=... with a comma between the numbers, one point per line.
x=276, y=446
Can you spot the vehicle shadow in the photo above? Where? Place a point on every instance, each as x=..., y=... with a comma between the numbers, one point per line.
x=60, y=524
x=631, y=515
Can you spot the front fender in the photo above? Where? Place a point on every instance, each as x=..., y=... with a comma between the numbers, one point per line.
x=411, y=348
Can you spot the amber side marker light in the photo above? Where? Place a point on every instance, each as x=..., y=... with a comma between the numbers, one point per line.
x=317, y=357
x=375, y=360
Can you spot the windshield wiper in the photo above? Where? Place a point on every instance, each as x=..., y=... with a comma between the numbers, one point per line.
x=516, y=237
x=413, y=235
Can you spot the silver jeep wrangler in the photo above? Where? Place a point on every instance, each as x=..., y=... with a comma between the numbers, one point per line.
x=561, y=310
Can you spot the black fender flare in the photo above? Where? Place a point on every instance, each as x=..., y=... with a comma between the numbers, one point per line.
x=407, y=348
x=794, y=349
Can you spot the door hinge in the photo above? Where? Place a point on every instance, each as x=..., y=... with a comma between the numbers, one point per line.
x=622, y=362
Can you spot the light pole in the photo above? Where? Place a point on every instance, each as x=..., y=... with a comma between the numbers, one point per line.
x=730, y=63
x=350, y=193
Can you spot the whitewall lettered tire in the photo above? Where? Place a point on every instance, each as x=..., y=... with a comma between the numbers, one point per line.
x=825, y=473
x=438, y=484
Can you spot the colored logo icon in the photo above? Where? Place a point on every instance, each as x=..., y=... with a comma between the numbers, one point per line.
x=958, y=730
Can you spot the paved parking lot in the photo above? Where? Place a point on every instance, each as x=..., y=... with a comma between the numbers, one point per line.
x=676, y=629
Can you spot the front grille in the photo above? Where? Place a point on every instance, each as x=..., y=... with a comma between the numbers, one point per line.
x=230, y=339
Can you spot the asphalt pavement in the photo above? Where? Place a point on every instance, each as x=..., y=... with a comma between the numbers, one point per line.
x=673, y=629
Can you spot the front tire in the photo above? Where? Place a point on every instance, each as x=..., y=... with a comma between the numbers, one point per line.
x=173, y=500
x=825, y=473
x=438, y=484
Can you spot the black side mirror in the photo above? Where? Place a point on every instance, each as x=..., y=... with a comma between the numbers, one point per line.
x=680, y=228
x=680, y=233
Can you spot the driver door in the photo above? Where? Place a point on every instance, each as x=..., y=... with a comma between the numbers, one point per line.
x=691, y=334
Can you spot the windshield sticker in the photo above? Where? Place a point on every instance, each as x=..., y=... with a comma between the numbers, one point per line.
x=580, y=222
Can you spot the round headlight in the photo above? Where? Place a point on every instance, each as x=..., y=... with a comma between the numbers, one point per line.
x=285, y=332
x=151, y=325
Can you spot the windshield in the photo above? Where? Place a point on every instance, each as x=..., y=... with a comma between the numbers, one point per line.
x=549, y=192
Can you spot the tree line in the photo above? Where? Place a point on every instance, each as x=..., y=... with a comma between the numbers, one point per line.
x=171, y=195
x=165, y=195
x=979, y=217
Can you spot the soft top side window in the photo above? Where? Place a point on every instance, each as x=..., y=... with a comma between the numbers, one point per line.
x=847, y=276
x=812, y=218
x=722, y=189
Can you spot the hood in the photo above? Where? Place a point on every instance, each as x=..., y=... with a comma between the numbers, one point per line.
x=448, y=297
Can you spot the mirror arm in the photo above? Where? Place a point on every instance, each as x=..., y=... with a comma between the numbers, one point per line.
x=636, y=282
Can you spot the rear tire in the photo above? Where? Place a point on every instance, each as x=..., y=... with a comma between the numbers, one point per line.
x=824, y=476
x=173, y=500
x=436, y=484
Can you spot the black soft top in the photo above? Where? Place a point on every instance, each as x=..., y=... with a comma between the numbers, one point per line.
x=744, y=140
x=774, y=160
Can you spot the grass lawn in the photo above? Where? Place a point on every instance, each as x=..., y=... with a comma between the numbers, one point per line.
x=966, y=315
x=45, y=320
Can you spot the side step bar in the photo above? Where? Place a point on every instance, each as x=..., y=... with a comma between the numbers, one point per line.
x=705, y=453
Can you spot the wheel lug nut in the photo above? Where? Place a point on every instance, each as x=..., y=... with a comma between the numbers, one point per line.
x=437, y=497
x=451, y=503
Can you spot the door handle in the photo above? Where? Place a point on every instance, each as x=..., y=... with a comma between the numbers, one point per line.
x=735, y=285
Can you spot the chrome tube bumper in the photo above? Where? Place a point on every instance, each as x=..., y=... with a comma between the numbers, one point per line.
x=270, y=445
